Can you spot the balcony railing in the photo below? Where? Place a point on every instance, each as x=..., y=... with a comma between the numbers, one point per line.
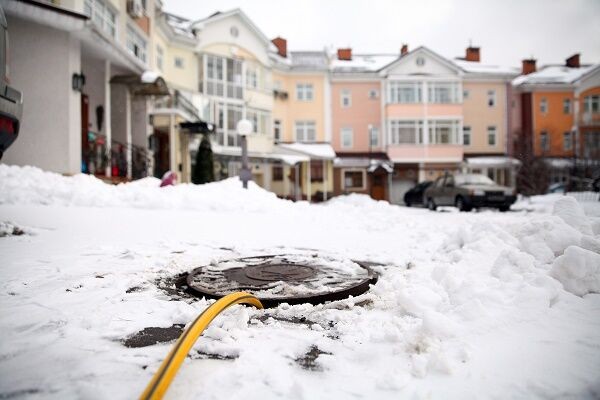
x=179, y=101
x=95, y=158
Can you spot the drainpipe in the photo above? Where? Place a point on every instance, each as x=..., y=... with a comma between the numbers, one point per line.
x=107, y=117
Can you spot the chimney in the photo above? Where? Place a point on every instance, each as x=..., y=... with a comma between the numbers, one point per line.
x=344, y=54
x=573, y=61
x=404, y=49
x=473, y=54
x=528, y=66
x=281, y=45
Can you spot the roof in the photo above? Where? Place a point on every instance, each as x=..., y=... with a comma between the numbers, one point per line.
x=473, y=67
x=309, y=60
x=236, y=11
x=181, y=26
x=555, y=74
x=319, y=151
x=429, y=52
x=363, y=63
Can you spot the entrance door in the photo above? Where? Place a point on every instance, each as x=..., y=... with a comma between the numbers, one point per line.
x=378, y=185
x=161, y=153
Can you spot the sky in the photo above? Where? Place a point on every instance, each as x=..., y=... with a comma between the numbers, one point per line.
x=506, y=30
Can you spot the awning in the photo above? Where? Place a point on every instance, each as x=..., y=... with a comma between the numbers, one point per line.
x=147, y=84
x=492, y=162
x=197, y=127
x=289, y=159
x=316, y=151
x=361, y=162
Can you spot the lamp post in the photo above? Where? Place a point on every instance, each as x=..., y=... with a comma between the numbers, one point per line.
x=244, y=128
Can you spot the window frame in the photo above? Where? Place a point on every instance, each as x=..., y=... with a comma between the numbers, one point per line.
x=544, y=141
x=568, y=139
x=277, y=129
x=492, y=129
x=373, y=129
x=567, y=106
x=134, y=37
x=467, y=128
x=544, y=105
x=345, y=97
x=181, y=64
x=304, y=91
x=491, y=98
x=343, y=131
x=363, y=173
x=304, y=127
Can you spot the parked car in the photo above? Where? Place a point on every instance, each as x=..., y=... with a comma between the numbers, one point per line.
x=11, y=100
x=415, y=195
x=468, y=191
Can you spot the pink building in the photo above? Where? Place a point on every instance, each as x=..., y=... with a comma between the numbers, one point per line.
x=357, y=126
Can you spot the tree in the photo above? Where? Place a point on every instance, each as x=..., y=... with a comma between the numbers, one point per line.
x=533, y=175
x=203, y=169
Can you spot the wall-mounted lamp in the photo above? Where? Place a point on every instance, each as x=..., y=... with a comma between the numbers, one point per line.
x=77, y=82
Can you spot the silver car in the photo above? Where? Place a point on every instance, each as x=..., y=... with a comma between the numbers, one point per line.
x=11, y=100
x=468, y=191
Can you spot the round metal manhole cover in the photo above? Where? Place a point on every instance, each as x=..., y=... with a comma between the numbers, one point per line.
x=275, y=279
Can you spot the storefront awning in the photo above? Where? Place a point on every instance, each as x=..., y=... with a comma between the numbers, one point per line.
x=289, y=159
x=147, y=84
x=492, y=162
x=316, y=151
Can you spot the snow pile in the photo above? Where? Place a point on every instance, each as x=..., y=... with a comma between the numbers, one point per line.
x=578, y=270
x=30, y=185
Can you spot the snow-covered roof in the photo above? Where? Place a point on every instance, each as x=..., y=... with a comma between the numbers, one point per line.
x=224, y=14
x=290, y=159
x=322, y=151
x=181, y=26
x=308, y=59
x=479, y=68
x=554, y=74
x=363, y=63
x=362, y=162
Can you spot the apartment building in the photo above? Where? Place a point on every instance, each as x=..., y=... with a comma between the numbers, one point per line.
x=302, y=117
x=362, y=164
x=486, y=95
x=560, y=116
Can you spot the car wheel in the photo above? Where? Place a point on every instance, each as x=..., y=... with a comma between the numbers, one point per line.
x=504, y=208
x=431, y=205
x=407, y=203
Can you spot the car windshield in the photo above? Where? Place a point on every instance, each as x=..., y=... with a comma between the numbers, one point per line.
x=473, y=179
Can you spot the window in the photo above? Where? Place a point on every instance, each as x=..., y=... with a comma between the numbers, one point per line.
x=260, y=120
x=567, y=106
x=443, y=92
x=346, y=98
x=251, y=77
x=544, y=105
x=491, y=130
x=373, y=136
x=567, y=141
x=465, y=94
x=467, y=135
x=159, y=57
x=136, y=44
x=591, y=104
x=277, y=172
x=491, y=98
x=373, y=94
x=102, y=15
x=305, y=131
x=234, y=114
x=354, y=179
x=304, y=91
x=347, y=137
x=224, y=77
x=316, y=171
x=406, y=132
x=443, y=131
x=544, y=144
x=277, y=129
x=404, y=92
x=591, y=149
x=178, y=62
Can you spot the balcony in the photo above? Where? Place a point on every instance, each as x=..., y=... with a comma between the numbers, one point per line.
x=411, y=153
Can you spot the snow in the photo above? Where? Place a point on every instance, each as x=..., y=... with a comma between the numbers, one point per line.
x=363, y=63
x=467, y=305
x=479, y=68
x=554, y=74
x=492, y=161
x=314, y=150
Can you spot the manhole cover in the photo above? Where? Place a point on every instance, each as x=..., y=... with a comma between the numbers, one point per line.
x=292, y=279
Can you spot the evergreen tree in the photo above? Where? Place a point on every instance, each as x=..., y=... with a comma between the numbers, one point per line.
x=203, y=169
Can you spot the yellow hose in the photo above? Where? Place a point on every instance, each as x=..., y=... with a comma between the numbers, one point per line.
x=162, y=378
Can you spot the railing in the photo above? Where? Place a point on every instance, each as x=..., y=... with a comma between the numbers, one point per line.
x=178, y=100
x=95, y=158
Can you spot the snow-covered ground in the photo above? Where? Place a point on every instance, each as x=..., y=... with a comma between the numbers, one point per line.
x=468, y=305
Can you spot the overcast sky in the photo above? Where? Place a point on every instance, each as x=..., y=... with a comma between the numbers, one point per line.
x=506, y=30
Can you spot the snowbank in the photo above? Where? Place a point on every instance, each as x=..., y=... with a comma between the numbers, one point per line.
x=30, y=185
x=578, y=270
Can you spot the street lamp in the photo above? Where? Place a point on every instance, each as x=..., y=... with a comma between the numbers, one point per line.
x=244, y=129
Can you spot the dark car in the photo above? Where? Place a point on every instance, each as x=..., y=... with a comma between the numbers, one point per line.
x=468, y=191
x=11, y=103
x=415, y=195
